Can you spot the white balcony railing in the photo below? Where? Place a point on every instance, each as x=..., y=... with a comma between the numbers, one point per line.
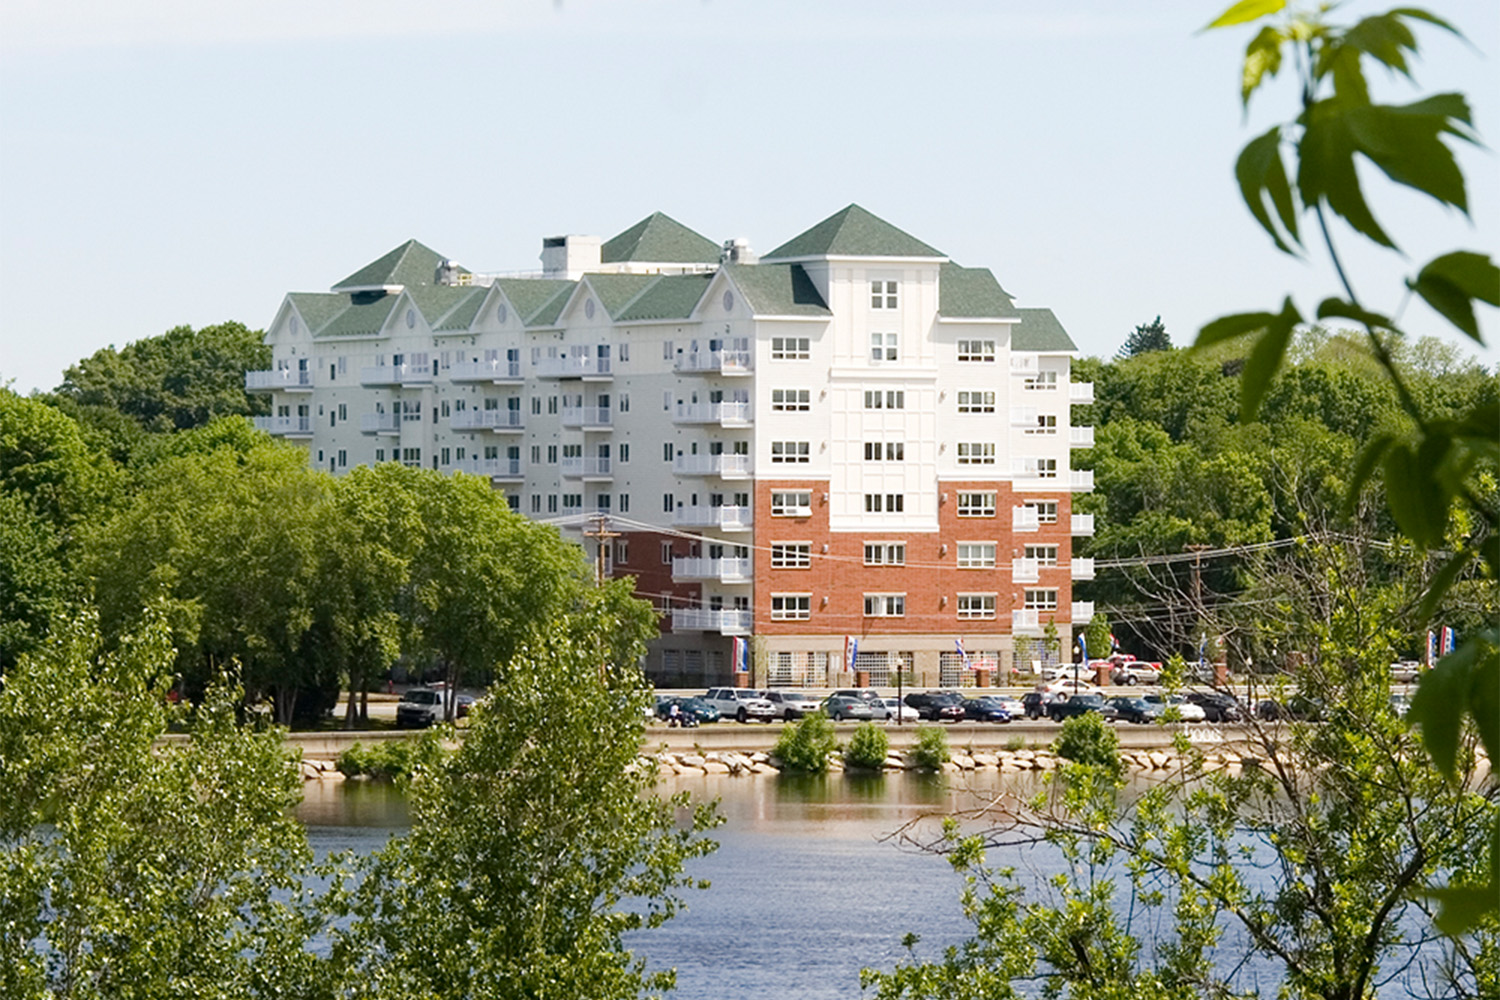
x=574, y=366
x=1025, y=621
x=720, y=362
x=1080, y=393
x=723, y=518
x=722, y=570
x=495, y=468
x=1080, y=437
x=1024, y=519
x=285, y=426
x=281, y=378
x=488, y=420
x=1082, y=611
x=1081, y=480
x=587, y=416
x=1083, y=524
x=486, y=371
x=379, y=423
x=395, y=375
x=1083, y=569
x=590, y=467
x=1025, y=570
x=725, y=622
x=723, y=466
x=724, y=414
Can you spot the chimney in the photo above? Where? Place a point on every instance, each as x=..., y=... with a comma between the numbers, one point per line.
x=570, y=256
x=737, y=251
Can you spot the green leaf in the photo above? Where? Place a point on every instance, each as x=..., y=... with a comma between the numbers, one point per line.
x=1373, y=452
x=1442, y=580
x=1438, y=705
x=1265, y=359
x=1451, y=282
x=1325, y=171
x=1405, y=142
x=1262, y=57
x=1385, y=38
x=1230, y=327
x=1464, y=907
x=1418, y=14
x=1261, y=172
x=1245, y=10
x=1330, y=308
x=1409, y=488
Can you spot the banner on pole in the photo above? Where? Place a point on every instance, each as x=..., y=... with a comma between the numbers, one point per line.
x=851, y=652
x=741, y=655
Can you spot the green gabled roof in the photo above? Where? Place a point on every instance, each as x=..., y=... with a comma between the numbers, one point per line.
x=670, y=297
x=778, y=289
x=411, y=264
x=662, y=239
x=537, y=301
x=361, y=318
x=448, y=308
x=615, y=291
x=972, y=293
x=1039, y=330
x=318, y=308
x=853, y=232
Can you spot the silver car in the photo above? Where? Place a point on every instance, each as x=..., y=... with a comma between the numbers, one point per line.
x=740, y=704
x=792, y=705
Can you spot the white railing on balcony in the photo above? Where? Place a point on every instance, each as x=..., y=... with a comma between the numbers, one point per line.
x=1081, y=437
x=723, y=570
x=726, y=622
x=1023, y=364
x=281, y=378
x=489, y=420
x=726, y=466
x=1082, y=611
x=1083, y=524
x=395, y=375
x=485, y=371
x=575, y=466
x=1081, y=480
x=712, y=413
x=724, y=518
x=587, y=416
x=573, y=366
x=1081, y=393
x=1083, y=569
x=495, y=468
x=723, y=362
x=1026, y=621
x=1025, y=570
x=293, y=426
x=1024, y=519
x=379, y=423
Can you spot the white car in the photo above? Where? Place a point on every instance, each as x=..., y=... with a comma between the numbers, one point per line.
x=792, y=705
x=1186, y=710
x=1067, y=685
x=1011, y=705
x=740, y=704
x=1136, y=672
x=901, y=713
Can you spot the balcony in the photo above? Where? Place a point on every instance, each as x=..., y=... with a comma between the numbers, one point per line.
x=1083, y=525
x=725, y=622
x=723, y=466
x=722, y=518
x=1081, y=480
x=1083, y=569
x=1025, y=621
x=716, y=363
x=388, y=375
x=1080, y=393
x=584, y=366
x=285, y=379
x=297, y=427
x=380, y=423
x=1080, y=437
x=1082, y=612
x=499, y=421
x=1023, y=364
x=591, y=468
x=1024, y=519
x=1025, y=570
x=723, y=414
x=494, y=468
x=722, y=570
x=589, y=418
x=497, y=371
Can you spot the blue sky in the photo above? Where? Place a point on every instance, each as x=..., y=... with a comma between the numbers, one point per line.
x=174, y=162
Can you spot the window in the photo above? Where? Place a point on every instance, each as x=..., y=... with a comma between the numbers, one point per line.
x=883, y=347
x=976, y=555
x=536, y=405
x=572, y=501
x=792, y=504
x=624, y=399
x=668, y=503
x=536, y=454
x=976, y=505
x=888, y=399
x=1042, y=468
x=976, y=606
x=411, y=457
x=344, y=458
x=885, y=605
x=624, y=356
x=552, y=503
x=976, y=350
x=976, y=453
x=885, y=553
x=1041, y=380
x=344, y=411
x=976, y=402
x=1046, y=510
x=799, y=452
x=791, y=607
x=552, y=453
x=1045, y=555
x=666, y=553
x=536, y=503
x=624, y=452
x=1041, y=600
x=624, y=503
x=1046, y=423
x=882, y=295
x=791, y=348
x=791, y=555
x=889, y=451
x=551, y=404
x=666, y=452
x=790, y=399
x=380, y=454
x=666, y=350
x=885, y=503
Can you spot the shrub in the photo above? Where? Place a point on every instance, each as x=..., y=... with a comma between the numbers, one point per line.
x=807, y=745
x=931, y=750
x=868, y=747
x=385, y=761
x=1088, y=739
x=1016, y=743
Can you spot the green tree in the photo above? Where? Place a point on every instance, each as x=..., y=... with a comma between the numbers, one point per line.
x=1146, y=338
x=808, y=745
x=868, y=747
x=35, y=585
x=44, y=458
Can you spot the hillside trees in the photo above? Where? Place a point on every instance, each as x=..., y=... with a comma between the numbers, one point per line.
x=1145, y=338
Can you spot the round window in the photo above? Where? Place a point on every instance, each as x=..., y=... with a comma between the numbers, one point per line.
x=411, y=318
x=292, y=325
x=729, y=302
x=501, y=312
x=588, y=308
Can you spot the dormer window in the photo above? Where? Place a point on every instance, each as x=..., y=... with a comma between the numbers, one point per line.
x=882, y=295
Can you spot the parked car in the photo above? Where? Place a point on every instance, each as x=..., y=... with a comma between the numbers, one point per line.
x=843, y=707
x=1079, y=704
x=1034, y=703
x=1297, y=707
x=895, y=710
x=868, y=694
x=1067, y=685
x=1137, y=710
x=740, y=704
x=1406, y=671
x=1011, y=704
x=423, y=706
x=938, y=706
x=1186, y=710
x=985, y=708
x=792, y=705
x=1134, y=672
x=1217, y=707
x=696, y=707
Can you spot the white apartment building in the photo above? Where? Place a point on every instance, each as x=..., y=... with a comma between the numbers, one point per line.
x=850, y=446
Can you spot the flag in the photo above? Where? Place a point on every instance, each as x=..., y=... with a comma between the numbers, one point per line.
x=1083, y=645
x=1114, y=643
x=963, y=655
x=851, y=651
x=1450, y=640
x=741, y=655
x=1431, y=648
x=1203, y=651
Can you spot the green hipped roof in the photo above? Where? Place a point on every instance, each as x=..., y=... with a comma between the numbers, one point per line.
x=972, y=293
x=615, y=291
x=1039, y=330
x=661, y=239
x=318, y=308
x=411, y=264
x=448, y=308
x=777, y=289
x=361, y=318
x=537, y=301
x=669, y=297
x=853, y=232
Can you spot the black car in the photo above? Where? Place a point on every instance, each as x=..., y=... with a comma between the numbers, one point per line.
x=1216, y=707
x=985, y=708
x=937, y=706
x=1297, y=707
x=697, y=708
x=1036, y=703
x=1080, y=704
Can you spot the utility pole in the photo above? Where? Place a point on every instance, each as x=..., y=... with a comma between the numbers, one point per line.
x=1197, y=551
x=601, y=532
